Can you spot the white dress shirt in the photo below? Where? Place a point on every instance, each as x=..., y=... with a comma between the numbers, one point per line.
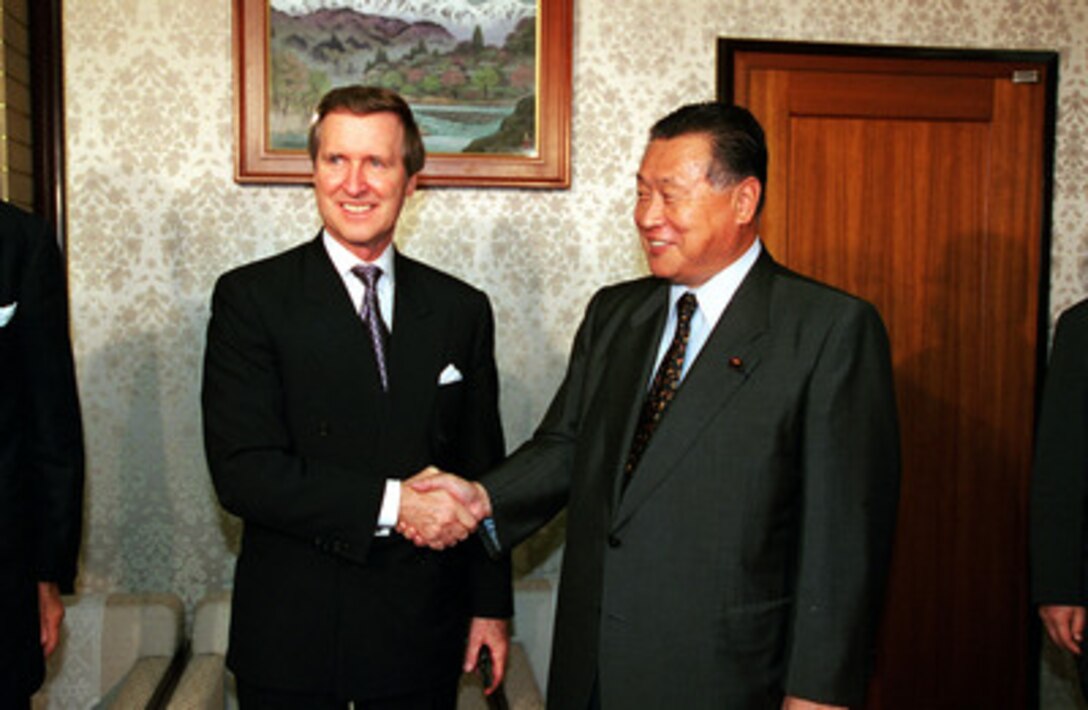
x=712, y=298
x=345, y=261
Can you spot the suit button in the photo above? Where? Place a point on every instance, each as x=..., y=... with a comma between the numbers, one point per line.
x=614, y=541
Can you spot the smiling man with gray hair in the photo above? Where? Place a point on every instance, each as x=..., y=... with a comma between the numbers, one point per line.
x=332, y=371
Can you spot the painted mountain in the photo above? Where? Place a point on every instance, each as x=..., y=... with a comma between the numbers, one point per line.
x=498, y=17
x=470, y=76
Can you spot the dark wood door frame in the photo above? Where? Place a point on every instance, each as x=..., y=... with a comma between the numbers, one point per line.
x=727, y=63
x=47, y=113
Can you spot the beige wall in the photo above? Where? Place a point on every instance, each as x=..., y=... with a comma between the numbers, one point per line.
x=154, y=216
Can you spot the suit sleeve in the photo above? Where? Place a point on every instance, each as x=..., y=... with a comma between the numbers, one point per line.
x=850, y=476
x=533, y=485
x=1058, y=491
x=54, y=437
x=257, y=472
x=482, y=447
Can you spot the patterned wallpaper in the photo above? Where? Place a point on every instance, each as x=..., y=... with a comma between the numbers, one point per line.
x=154, y=217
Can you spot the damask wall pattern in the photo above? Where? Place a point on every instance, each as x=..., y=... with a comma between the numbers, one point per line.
x=154, y=216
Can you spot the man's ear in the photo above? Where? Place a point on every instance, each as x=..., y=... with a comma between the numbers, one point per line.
x=411, y=187
x=746, y=195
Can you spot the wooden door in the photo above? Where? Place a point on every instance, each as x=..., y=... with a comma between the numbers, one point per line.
x=919, y=183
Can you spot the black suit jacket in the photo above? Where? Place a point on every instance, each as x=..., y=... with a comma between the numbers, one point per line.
x=747, y=557
x=300, y=440
x=41, y=442
x=1059, y=486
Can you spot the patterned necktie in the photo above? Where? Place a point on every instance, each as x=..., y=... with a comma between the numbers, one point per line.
x=666, y=381
x=372, y=316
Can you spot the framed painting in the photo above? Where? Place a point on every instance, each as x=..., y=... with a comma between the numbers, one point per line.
x=489, y=83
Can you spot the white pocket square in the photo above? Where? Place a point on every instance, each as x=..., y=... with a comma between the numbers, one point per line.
x=8, y=312
x=450, y=375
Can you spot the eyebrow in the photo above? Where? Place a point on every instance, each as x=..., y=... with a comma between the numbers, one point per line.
x=666, y=181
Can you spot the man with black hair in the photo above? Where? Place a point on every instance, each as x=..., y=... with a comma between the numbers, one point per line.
x=726, y=446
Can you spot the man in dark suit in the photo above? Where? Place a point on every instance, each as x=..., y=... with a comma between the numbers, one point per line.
x=325, y=382
x=41, y=453
x=729, y=518
x=1059, y=490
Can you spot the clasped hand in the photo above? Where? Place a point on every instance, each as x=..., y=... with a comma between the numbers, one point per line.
x=439, y=510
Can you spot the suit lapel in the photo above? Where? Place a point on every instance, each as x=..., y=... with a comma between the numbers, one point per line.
x=730, y=355
x=337, y=335
x=625, y=388
x=413, y=342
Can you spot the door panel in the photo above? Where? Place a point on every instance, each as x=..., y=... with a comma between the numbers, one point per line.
x=918, y=183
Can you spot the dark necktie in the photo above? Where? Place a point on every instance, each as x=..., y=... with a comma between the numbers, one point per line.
x=372, y=316
x=665, y=383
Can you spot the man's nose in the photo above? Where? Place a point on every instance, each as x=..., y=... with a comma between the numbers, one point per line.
x=649, y=211
x=356, y=182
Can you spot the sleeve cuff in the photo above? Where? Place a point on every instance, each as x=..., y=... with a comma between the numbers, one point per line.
x=489, y=536
x=387, y=515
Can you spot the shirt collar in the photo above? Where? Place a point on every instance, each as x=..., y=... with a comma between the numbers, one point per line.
x=344, y=261
x=716, y=293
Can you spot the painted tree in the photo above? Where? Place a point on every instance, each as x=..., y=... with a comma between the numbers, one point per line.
x=392, y=79
x=453, y=79
x=319, y=85
x=486, y=79
x=522, y=39
x=523, y=77
x=430, y=85
x=290, y=80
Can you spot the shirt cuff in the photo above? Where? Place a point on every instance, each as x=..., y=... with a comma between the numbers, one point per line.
x=489, y=536
x=387, y=515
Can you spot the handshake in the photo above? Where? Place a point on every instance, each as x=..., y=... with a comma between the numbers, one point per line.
x=439, y=510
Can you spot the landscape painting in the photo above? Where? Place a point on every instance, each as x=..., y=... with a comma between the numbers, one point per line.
x=468, y=68
x=488, y=80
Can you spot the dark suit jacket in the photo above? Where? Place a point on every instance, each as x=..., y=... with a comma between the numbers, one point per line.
x=41, y=443
x=1059, y=486
x=300, y=440
x=747, y=557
